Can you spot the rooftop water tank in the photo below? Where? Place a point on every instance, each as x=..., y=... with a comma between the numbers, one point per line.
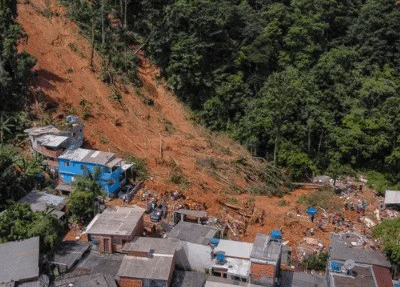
x=276, y=234
x=311, y=211
x=335, y=266
x=220, y=257
x=214, y=241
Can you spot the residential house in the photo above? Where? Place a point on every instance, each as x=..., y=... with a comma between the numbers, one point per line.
x=68, y=255
x=257, y=263
x=114, y=227
x=86, y=280
x=265, y=259
x=39, y=200
x=194, y=252
x=350, y=265
x=19, y=261
x=149, y=262
x=113, y=171
x=52, y=142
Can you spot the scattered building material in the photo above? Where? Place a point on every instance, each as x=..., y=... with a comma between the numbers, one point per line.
x=196, y=215
x=114, y=227
x=188, y=279
x=19, y=261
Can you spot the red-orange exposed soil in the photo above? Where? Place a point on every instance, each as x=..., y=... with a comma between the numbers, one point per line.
x=162, y=135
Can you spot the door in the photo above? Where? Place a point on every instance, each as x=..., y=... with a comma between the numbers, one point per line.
x=107, y=248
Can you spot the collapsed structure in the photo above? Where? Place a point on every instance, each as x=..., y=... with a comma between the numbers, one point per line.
x=52, y=142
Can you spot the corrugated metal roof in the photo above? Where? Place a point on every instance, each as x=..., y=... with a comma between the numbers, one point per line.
x=266, y=249
x=88, y=156
x=235, y=249
x=19, y=260
x=392, y=197
x=69, y=253
x=42, y=130
x=156, y=268
x=40, y=197
x=145, y=244
x=116, y=221
x=192, y=232
x=340, y=250
x=51, y=140
x=101, y=263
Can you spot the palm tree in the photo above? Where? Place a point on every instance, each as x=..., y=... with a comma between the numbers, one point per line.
x=4, y=127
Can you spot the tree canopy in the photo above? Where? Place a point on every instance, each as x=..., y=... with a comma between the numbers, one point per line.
x=311, y=85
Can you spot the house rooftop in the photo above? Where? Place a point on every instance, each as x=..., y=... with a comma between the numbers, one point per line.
x=236, y=249
x=156, y=268
x=234, y=266
x=364, y=278
x=188, y=279
x=343, y=249
x=266, y=249
x=301, y=279
x=69, y=253
x=116, y=221
x=86, y=280
x=42, y=130
x=52, y=141
x=101, y=263
x=392, y=197
x=148, y=244
x=19, y=260
x=39, y=200
x=192, y=232
x=89, y=156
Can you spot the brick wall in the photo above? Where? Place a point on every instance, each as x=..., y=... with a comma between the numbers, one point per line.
x=129, y=282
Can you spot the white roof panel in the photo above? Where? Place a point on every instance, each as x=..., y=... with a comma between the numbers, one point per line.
x=235, y=249
x=392, y=197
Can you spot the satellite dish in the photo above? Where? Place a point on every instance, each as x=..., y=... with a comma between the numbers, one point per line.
x=349, y=264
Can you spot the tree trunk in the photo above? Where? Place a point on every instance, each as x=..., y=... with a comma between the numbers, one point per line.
x=103, y=36
x=126, y=4
x=275, y=149
x=320, y=141
x=309, y=139
x=92, y=51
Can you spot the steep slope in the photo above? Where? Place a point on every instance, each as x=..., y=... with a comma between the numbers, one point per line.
x=161, y=134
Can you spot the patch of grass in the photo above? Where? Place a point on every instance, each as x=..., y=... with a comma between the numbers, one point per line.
x=169, y=128
x=72, y=111
x=233, y=200
x=317, y=262
x=104, y=140
x=178, y=178
x=85, y=113
x=116, y=96
x=209, y=163
x=320, y=198
x=282, y=203
x=148, y=101
x=82, y=102
x=75, y=49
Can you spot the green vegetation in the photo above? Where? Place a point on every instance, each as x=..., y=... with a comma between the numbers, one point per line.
x=381, y=182
x=309, y=86
x=139, y=167
x=317, y=262
x=324, y=198
x=20, y=222
x=82, y=203
x=388, y=233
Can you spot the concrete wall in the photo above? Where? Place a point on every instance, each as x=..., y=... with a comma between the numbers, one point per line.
x=191, y=256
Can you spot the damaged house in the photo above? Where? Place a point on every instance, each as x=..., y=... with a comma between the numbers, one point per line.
x=52, y=142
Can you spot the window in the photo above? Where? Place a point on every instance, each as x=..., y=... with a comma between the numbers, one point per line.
x=66, y=163
x=114, y=168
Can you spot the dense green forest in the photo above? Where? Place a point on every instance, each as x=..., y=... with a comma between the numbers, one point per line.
x=309, y=84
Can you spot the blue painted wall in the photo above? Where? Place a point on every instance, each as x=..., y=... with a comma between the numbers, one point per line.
x=111, y=180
